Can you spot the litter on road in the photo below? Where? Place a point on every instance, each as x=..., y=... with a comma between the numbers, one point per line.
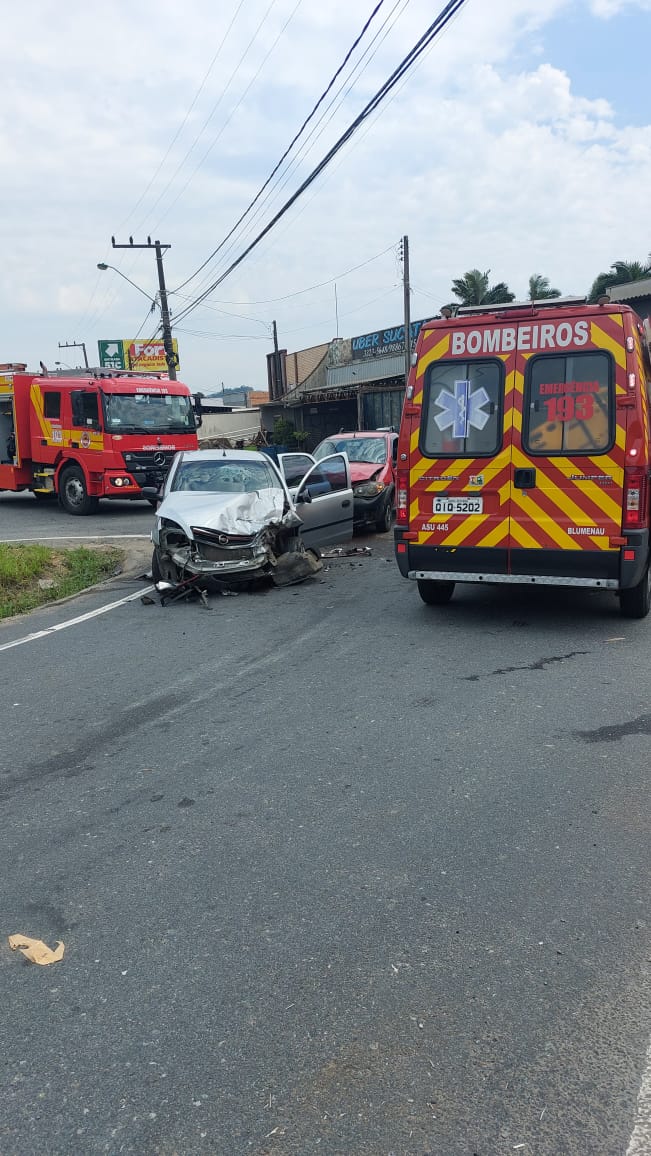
x=35, y=950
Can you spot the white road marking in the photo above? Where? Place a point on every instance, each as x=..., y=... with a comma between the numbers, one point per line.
x=76, y=621
x=76, y=538
x=640, y=1144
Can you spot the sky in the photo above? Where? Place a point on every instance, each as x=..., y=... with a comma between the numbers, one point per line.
x=520, y=143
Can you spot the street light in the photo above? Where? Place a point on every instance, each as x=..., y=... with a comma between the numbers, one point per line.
x=165, y=315
x=103, y=266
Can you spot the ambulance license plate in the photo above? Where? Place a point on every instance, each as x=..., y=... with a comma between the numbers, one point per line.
x=443, y=505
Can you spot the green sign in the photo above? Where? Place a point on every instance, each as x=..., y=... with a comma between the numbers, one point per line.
x=111, y=354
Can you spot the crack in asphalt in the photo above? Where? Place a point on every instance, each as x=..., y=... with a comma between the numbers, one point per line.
x=539, y=664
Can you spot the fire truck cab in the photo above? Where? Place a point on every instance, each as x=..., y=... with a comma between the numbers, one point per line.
x=523, y=454
x=93, y=436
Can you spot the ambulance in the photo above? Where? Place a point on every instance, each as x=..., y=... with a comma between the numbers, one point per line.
x=523, y=454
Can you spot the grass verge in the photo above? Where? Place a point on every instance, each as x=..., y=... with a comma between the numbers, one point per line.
x=31, y=576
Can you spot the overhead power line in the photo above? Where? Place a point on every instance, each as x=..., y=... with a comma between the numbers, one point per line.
x=289, y=148
x=216, y=106
x=421, y=45
x=298, y=292
x=94, y=316
x=317, y=129
x=186, y=117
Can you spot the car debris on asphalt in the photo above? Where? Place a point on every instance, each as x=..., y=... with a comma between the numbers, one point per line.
x=346, y=551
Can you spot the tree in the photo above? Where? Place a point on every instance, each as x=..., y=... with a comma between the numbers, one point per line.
x=283, y=431
x=473, y=289
x=540, y=289
x=621, y=272
x=630, y=271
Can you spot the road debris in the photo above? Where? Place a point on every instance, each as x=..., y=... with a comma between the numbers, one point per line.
x=346, y=551
x=295, y=566
x=35, y=950
x=173, y=591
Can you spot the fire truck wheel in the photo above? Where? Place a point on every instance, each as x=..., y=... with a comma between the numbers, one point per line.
x=636, y=602
x=435, y=593
x=73, y=495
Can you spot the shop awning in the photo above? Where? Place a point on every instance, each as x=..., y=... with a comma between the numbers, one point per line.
x=373, y=369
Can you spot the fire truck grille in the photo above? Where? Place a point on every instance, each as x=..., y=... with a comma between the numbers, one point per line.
x=149, y=468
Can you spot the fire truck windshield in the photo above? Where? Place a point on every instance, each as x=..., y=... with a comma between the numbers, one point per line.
x=148, y=413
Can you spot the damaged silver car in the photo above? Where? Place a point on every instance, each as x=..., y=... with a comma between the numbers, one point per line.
x=227, y=516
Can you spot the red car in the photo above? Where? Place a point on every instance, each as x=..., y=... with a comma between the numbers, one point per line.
x=372, y=455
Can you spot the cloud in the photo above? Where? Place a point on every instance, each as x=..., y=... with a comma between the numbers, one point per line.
x=605, y=9
x=488, y=155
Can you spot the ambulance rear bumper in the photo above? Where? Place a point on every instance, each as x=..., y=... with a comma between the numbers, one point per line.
x=514, y=579
x=615, y=569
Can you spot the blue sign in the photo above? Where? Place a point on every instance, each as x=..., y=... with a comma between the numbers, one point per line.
x=384, y=341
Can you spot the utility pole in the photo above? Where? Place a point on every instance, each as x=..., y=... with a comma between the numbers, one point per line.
x=336, y=310
x=164, y=309
x=75, y=345
x=360, y=406
x=278, y=384
x=405, y=285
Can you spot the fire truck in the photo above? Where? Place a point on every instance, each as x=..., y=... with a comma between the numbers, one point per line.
x=91, y=436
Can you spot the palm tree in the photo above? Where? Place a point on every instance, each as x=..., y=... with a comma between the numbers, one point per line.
x=540, y=289
x=631, y=270
x=621, y=272
x=473, y=289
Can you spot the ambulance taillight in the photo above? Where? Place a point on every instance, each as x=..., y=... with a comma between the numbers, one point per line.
x=402, y=498
x=635, y=498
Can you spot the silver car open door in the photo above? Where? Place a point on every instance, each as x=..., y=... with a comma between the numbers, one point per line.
x=324, y=502
x=293, y=467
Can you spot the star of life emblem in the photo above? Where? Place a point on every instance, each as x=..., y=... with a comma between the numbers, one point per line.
x=462, y=409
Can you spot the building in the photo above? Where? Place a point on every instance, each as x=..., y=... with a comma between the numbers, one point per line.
x=637, y=294
x=240, y=424
x=347, y=383
x=257, y=397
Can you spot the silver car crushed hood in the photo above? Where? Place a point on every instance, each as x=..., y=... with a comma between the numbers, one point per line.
x=228, y=513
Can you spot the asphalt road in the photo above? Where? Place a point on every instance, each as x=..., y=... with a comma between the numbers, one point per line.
x=335, y=872
x=22, y=516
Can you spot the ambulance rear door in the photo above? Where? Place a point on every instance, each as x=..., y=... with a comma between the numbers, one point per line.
x=568, y=448
x=461, y=465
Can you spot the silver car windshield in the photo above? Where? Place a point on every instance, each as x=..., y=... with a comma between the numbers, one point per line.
x=224, y=477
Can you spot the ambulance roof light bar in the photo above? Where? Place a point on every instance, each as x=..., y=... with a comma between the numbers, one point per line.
x=504, y=307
